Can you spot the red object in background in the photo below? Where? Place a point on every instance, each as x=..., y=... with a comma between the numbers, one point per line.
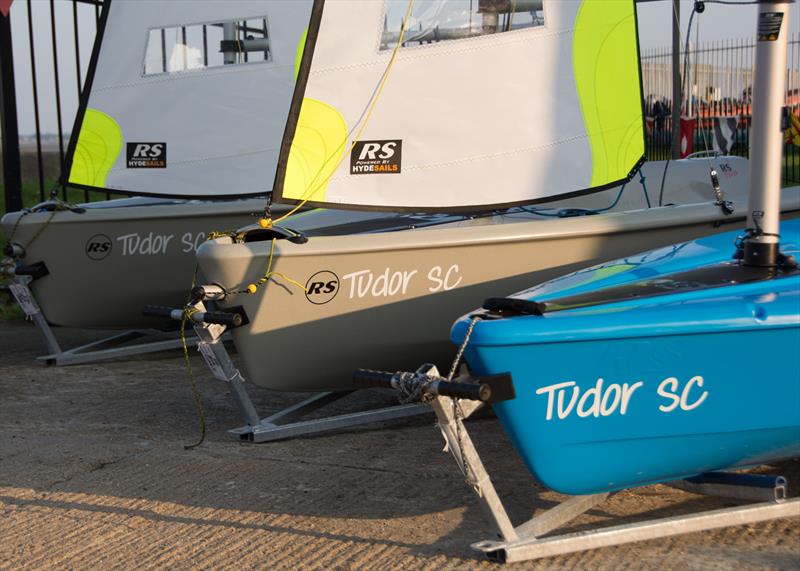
x=688, y=126
x=5, y=5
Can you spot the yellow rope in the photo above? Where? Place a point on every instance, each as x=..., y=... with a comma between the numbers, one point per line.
x=311, y=189
x=253, y=287
x=267, y=223
x=271, y=255
x=198, y=402
x=290, y=280
x=189, y=310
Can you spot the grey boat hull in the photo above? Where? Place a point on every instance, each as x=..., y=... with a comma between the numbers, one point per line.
x=106, y=263
x=150, y=254
x=388, y=299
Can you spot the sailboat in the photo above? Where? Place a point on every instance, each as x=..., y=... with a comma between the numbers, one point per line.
x=183, y=108
x=661, y=367
x=520, y=115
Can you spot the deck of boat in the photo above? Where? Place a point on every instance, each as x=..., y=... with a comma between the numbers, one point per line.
x=93, y=475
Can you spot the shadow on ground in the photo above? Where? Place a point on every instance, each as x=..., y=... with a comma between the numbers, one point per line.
x=98, y=450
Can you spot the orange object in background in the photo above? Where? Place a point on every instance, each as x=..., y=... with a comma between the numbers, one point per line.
x=688, y=126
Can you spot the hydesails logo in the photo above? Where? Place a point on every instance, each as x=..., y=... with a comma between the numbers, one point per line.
x=98, y=247
x=147, y=155
x=322, y=287
x=376, y=157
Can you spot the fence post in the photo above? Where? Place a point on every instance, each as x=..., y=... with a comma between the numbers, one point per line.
x=677, y=95
x=12, y=175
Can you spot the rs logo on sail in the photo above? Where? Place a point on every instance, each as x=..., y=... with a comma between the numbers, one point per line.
x=376, y=157
x=147, y=155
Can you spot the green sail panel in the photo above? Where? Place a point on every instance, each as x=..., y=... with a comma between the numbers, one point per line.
x=606, y=64
x=459, y=104
x=98, y=147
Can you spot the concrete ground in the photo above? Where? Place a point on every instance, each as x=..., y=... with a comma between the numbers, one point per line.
x=93, y=475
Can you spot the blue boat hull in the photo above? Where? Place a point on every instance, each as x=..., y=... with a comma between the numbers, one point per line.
x=655, y=388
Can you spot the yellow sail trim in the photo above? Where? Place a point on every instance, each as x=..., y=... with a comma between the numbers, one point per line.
x=298, y=56
x=319, y=139
x=606, y=66
x=99, y=144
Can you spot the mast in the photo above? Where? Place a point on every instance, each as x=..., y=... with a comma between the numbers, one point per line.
x=769, y=90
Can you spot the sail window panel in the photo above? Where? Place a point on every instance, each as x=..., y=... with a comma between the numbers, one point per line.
x=434, y=21
x=180, y=49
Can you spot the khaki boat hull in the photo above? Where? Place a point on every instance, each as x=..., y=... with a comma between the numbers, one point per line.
x=150, y=257
x=388, y=300
x=107, y=263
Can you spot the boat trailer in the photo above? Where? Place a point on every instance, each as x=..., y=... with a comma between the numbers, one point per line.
x=211, y=326
x=454, y=401
x=125, y=344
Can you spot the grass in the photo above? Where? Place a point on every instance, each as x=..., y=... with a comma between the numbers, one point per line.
x=9, y=310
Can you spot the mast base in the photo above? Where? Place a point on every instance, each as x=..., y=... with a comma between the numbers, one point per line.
x=761, y=254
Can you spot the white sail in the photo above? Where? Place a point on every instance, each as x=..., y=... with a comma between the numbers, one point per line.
x=187, y=99
x=485, y=103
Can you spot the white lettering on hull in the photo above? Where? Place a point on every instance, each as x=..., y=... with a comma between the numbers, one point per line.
x=681, y=401
x=190, y=242
x=600, y=401
x=152, y=244
x=391, y=283
x=594, y=402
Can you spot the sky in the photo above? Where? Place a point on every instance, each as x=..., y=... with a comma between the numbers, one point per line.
x=45, y=70
x=716, y=23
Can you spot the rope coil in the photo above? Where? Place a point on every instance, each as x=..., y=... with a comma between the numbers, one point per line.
x=412, y=392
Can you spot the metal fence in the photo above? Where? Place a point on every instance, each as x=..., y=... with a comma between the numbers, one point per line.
x=718, y=85
x=53, y=38
x=51, y=44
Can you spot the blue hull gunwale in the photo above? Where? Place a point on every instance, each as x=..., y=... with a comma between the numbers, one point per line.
x=640, y=391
